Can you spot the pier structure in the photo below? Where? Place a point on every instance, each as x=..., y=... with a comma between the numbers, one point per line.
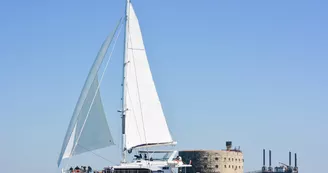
x=282, y=168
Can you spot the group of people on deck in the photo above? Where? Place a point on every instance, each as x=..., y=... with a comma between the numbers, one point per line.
x=145, y=157
x=83, y=169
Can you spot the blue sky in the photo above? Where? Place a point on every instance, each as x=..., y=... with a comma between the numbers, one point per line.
x=254, y=72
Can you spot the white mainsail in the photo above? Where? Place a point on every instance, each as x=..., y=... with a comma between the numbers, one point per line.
x=145, y=123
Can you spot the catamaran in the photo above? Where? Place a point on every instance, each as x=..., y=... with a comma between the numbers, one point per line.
x=143, y=122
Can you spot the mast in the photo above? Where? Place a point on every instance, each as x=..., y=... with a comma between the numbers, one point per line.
x=127, y=6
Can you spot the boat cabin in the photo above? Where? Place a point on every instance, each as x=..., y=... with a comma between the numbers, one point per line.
x=151, y=162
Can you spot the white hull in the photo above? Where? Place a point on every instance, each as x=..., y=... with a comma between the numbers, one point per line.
x=145, y=165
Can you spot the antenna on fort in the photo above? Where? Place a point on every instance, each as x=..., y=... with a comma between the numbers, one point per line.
x=228, y=145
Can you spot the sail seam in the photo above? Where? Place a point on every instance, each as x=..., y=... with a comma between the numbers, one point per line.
x=135, y=49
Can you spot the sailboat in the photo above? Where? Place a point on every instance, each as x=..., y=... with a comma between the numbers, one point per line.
x=143, y=122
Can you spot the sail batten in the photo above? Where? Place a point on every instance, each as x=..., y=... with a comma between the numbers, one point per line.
x=145, y=124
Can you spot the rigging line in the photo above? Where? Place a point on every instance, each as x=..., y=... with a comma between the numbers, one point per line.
x=135, y=73
x=96, y=154
x=94, y=97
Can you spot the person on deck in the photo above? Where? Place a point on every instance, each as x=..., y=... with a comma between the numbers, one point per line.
x=89, y=169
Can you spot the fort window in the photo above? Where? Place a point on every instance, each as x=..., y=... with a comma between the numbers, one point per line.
x=216, y=158
x=217, y=166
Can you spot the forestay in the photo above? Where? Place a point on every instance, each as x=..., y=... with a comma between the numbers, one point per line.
x=145, y=123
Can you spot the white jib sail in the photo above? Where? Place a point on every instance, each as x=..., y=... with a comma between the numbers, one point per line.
x=94, y=134
x=145, y=123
